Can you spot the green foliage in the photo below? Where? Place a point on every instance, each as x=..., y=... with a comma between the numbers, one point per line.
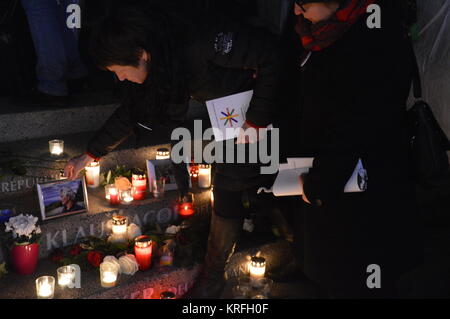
x=120, y=170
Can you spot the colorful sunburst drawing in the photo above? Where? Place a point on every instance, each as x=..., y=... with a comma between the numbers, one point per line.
x=229, y=117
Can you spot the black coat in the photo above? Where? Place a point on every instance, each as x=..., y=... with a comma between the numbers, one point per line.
x=352, y=105
x=220, y=57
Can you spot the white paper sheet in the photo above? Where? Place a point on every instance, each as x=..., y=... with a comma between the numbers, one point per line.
x=287, y=182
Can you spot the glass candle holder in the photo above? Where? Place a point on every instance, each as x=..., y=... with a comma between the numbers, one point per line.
x=158, y=187
x=126, y=196
x=167, y=295
x=119, y=225
x=56, y=147
x=186, y=206
x=66, y=276
x=139, y=186
x=162, y=154
x=257, y=268
x=143, y=251
x=93, y=174
x=204, y=176
x=108, y=275
x=45, y=287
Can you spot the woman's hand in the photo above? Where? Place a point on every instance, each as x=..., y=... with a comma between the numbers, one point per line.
x=76, y=165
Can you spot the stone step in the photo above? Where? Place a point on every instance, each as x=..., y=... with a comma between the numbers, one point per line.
x=85, y=113
x=68, y=230
x=143, y=285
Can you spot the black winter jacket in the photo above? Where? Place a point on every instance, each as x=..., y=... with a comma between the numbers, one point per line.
x=220, y=57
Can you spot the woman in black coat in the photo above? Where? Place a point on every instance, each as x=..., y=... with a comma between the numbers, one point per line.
x=354, y=84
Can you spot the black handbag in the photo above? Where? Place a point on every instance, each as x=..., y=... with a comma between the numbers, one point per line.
x=428, y=142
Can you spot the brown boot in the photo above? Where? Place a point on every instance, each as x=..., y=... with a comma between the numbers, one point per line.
x=223, y=235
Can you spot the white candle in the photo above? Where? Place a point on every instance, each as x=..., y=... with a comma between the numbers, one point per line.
x=119, y=225
x=204, y=176
x=126, y=196
x=257, y=268
x=162, y=154
x=93, y=174
x=45, y=287
x=66, y=275
x=56, y=147
x=108, y=274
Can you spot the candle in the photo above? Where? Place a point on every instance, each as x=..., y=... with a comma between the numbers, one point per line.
x=119, y=225
x=204, y=176
x=56, y=147
x=45, y=287
x=139, y=182
x=143, y=252
x=186, y=206
x=257, y=268
x=126, y=196
x=112, y=194
x=193, y=173
x=108, y=274
x=66, y=276
x=93, y=174
x=162, y=154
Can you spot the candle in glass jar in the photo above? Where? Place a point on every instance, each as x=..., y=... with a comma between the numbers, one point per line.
x=257, y=268
x=126, y=196
x=56, y=147
x=204, y=176
x=108, y=275
x=186, y=205
x=143, y=252
x=162, y=154
x=45, y=287
x=119, y=225
x=112, y=194
x=66, y=275
x=139, y=182
x=93, y=174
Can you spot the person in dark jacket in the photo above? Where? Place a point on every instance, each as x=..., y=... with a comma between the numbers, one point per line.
x=165, y=60
x=354, y=82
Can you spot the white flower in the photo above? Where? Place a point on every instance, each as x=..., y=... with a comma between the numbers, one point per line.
x=128, y=264
x=133, y=231
x=172, y=230
x=22, y=225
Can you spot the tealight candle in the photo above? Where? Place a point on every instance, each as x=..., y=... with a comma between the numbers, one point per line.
x=162, y=154
x=66, y=276
x=108, y=275
x=204, y=176
x=126, y=196
x=56, y=147
x=143, y=251
x=257, y=268
x=119, y=225
x=93, y=174
x=45, y=287
x=139, y=182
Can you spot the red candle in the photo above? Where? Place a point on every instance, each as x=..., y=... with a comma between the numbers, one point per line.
x=139, y=182
x=114, y=196
x=186, y=210
x=143, y=252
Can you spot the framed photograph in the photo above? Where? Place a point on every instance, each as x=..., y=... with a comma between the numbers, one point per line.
x=62, y=197
x=161, y=168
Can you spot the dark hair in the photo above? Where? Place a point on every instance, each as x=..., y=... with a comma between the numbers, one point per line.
x=120, y=38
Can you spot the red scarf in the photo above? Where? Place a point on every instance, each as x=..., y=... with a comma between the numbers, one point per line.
x=315, y=37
